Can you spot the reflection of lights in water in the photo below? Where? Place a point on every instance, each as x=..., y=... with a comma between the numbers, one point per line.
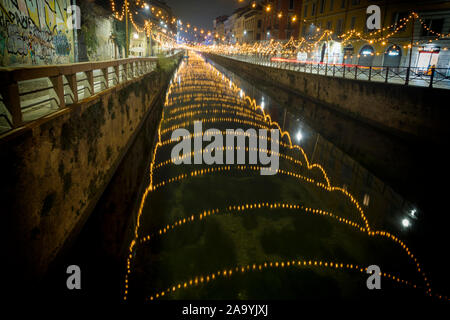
x=299, y=136
x=406, y=223
x=412, y=213
x=241, y=94
x=262, y=104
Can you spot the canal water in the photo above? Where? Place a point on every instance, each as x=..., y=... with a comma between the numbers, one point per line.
x=241, y=240
x=393, y=201
x=385, y=207
x=224, y=231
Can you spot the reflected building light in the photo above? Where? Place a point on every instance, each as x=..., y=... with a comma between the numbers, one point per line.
x=299, y=136
x=406, y=223
x=412, y=213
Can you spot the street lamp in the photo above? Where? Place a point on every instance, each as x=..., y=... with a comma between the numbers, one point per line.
x=406, y=223
x=126, y=29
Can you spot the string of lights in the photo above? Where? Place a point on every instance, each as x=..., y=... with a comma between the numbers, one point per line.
x=174, y=97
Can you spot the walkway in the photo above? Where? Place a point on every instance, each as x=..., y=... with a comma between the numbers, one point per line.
x=417, y=77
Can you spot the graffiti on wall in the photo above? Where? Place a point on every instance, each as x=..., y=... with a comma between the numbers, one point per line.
x=35, y=32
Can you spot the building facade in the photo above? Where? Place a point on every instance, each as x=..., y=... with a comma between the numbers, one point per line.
x=252, y=24
x=219, y=29
x=281, y=19
x=403, y=39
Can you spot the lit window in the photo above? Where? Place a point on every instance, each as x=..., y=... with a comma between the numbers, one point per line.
x=366, y=200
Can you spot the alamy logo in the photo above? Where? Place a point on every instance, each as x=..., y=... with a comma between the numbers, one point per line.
x=374, y=20
x=213, y=153
x=74, y=280
x=374, y=281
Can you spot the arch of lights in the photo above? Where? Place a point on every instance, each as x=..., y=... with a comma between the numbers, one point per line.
x=313, y=174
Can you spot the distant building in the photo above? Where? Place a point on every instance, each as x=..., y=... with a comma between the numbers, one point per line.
x=252, y=24
x=391, y=46
x=281, y=19
x=219, y=28
x=244, y=25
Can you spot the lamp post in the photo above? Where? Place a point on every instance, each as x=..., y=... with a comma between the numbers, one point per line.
x=410, y=50
x=126, y=29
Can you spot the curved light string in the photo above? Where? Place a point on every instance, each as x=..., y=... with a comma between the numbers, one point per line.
x=151, y=187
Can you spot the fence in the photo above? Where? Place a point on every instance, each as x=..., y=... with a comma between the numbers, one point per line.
x=29, y=93
x=433, y=77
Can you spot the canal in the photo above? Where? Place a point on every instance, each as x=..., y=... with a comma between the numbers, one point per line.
x=226, y=231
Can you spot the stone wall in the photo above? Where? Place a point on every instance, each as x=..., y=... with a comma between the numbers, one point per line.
x=418, y=112
x=55, y=170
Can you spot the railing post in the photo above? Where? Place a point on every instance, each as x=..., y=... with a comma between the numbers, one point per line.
x=343, y=73
x=72, y=79
x=370, y=73
x=407, y=75
x=356, y=72
x=334, y=69
x=387, y=75
x=138, y=68
x=90, y=78
x=58, y=86
x=432, y=76
x=10, y=94
x=117, y=71
x=106, y=76
x=318, y=68
x=125, y=71
x=326, y=68
x=311, y=67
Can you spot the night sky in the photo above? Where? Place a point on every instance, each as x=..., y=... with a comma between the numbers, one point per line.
x=201, y=13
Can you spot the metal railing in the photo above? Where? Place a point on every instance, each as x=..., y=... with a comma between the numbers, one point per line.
x=431, y=77
x=29, y=93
